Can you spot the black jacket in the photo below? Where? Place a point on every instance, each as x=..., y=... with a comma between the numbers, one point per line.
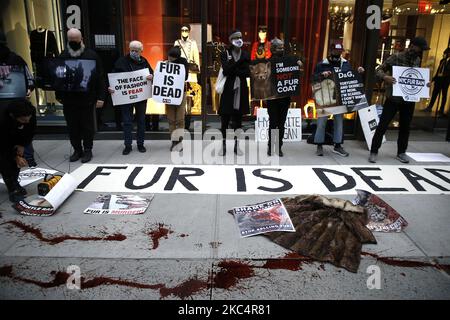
x=10, y=133
x=231, y=70
x=97, y=90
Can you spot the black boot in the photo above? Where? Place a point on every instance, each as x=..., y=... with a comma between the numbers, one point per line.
x=87, y=156
x=237, y=151
x=76, y=156
x=269, y=150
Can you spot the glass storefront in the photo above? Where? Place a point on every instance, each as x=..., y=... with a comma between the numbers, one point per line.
x=307, y=26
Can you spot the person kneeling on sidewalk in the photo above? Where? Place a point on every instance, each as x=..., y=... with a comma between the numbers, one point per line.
x=17, y=127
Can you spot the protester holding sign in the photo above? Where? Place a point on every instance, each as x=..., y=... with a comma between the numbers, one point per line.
x=325, y=70
x=234, y=100
x=176, y=113
x=133, y=61
x=278, y=108
x=409, y=58
x=17, y=127
x=79, y=107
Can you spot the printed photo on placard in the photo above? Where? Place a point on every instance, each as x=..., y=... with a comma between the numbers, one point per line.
x=12, y=82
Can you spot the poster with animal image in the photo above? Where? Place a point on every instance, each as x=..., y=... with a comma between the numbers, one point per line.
x=130, y=87
x=275, y=78
x=262, y=217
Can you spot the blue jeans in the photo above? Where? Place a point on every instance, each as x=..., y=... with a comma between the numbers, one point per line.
x=127, y=118
x=338, y=125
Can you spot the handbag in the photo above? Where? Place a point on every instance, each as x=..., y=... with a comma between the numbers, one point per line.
x=221, y=79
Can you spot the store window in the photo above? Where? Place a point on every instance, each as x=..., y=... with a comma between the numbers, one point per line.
x=402, y=21
x=32, y=29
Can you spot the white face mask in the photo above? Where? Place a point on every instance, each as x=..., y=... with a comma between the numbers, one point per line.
x=238, y=43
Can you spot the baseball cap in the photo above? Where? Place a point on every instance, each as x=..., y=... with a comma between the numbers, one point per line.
x=421, y=43
x=336, y=46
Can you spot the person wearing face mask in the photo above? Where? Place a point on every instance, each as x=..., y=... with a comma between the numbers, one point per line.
x=324, y=70
x=261, y=48
x=234, y=101
x=175, y=114
x=277, y=108
x=17, y=128
x=133, y=61
x=408, y=58
x=79, y=107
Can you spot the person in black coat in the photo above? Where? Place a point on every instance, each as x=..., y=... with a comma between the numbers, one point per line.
x=79, y=107
x=17, y=128
x=234, y=101
x=132, y=62
x=441, y=83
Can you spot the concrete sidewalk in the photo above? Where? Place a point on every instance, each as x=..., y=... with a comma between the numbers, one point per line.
x=200, y=255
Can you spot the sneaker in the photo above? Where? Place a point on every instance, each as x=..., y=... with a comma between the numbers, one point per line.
x=340, y=151
x=142, y=149
x=127, y=150
x=373, y=158
x=402, y=157
x=319, y=151
x=75, y=156
x=87, y=156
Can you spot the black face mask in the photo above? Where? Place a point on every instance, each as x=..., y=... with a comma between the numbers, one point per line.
x=335, y=58
x=75, y=45
x=279, y=53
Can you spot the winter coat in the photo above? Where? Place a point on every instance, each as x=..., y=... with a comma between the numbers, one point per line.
x=231, y=70
x=97, y=89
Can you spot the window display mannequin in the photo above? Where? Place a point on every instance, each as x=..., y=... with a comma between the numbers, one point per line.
x=189, y=51
x=42, y=45
x=261, y=48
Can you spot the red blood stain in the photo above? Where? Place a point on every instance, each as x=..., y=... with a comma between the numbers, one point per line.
x=185, y=289
x=183, y=235
x=6, y=271
x=402, y=274
x=100, y=281
x=38, y=234
x=231, y=273
x=291, y=261
x=400, y=263
x=160, y=231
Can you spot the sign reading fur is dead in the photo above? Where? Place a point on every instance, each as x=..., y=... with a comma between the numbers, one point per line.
x=284, y=180
x=168, y=83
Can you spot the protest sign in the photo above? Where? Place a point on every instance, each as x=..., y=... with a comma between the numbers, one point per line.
x=351, y=91
x=369, y=123
x=411, y=83
x=130, y=87
x=293, y=125
x=168, y=83
x=276, y=78
x=119, y=205
x=28, y=176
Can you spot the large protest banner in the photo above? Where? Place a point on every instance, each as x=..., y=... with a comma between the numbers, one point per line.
x=130, y=87
x=276, y=78
x=168, y=83
x=411, y=83
x=293, y=126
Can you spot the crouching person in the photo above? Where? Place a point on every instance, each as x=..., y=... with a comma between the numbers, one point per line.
x=17, y=127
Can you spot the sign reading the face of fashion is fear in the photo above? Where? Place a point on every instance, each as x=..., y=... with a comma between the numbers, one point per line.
x=130, y=87
x=168, y=83
x=279, y=180
x=411, y=83
x=293, y=125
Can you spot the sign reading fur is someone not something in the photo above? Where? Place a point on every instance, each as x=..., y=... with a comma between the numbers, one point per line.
x=280, y=180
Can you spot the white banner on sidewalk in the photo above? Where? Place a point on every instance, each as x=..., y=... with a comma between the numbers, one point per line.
x=130, y=87
x=168, y=83
x=280, y=180
x=411, y=83
x=293, y=125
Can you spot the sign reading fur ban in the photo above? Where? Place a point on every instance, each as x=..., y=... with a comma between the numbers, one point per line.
x=168, y=83
x=263, y=180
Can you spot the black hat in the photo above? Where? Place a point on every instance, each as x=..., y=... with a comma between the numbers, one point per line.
x=421, y=43
x=2, y=38
x=187, y=25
